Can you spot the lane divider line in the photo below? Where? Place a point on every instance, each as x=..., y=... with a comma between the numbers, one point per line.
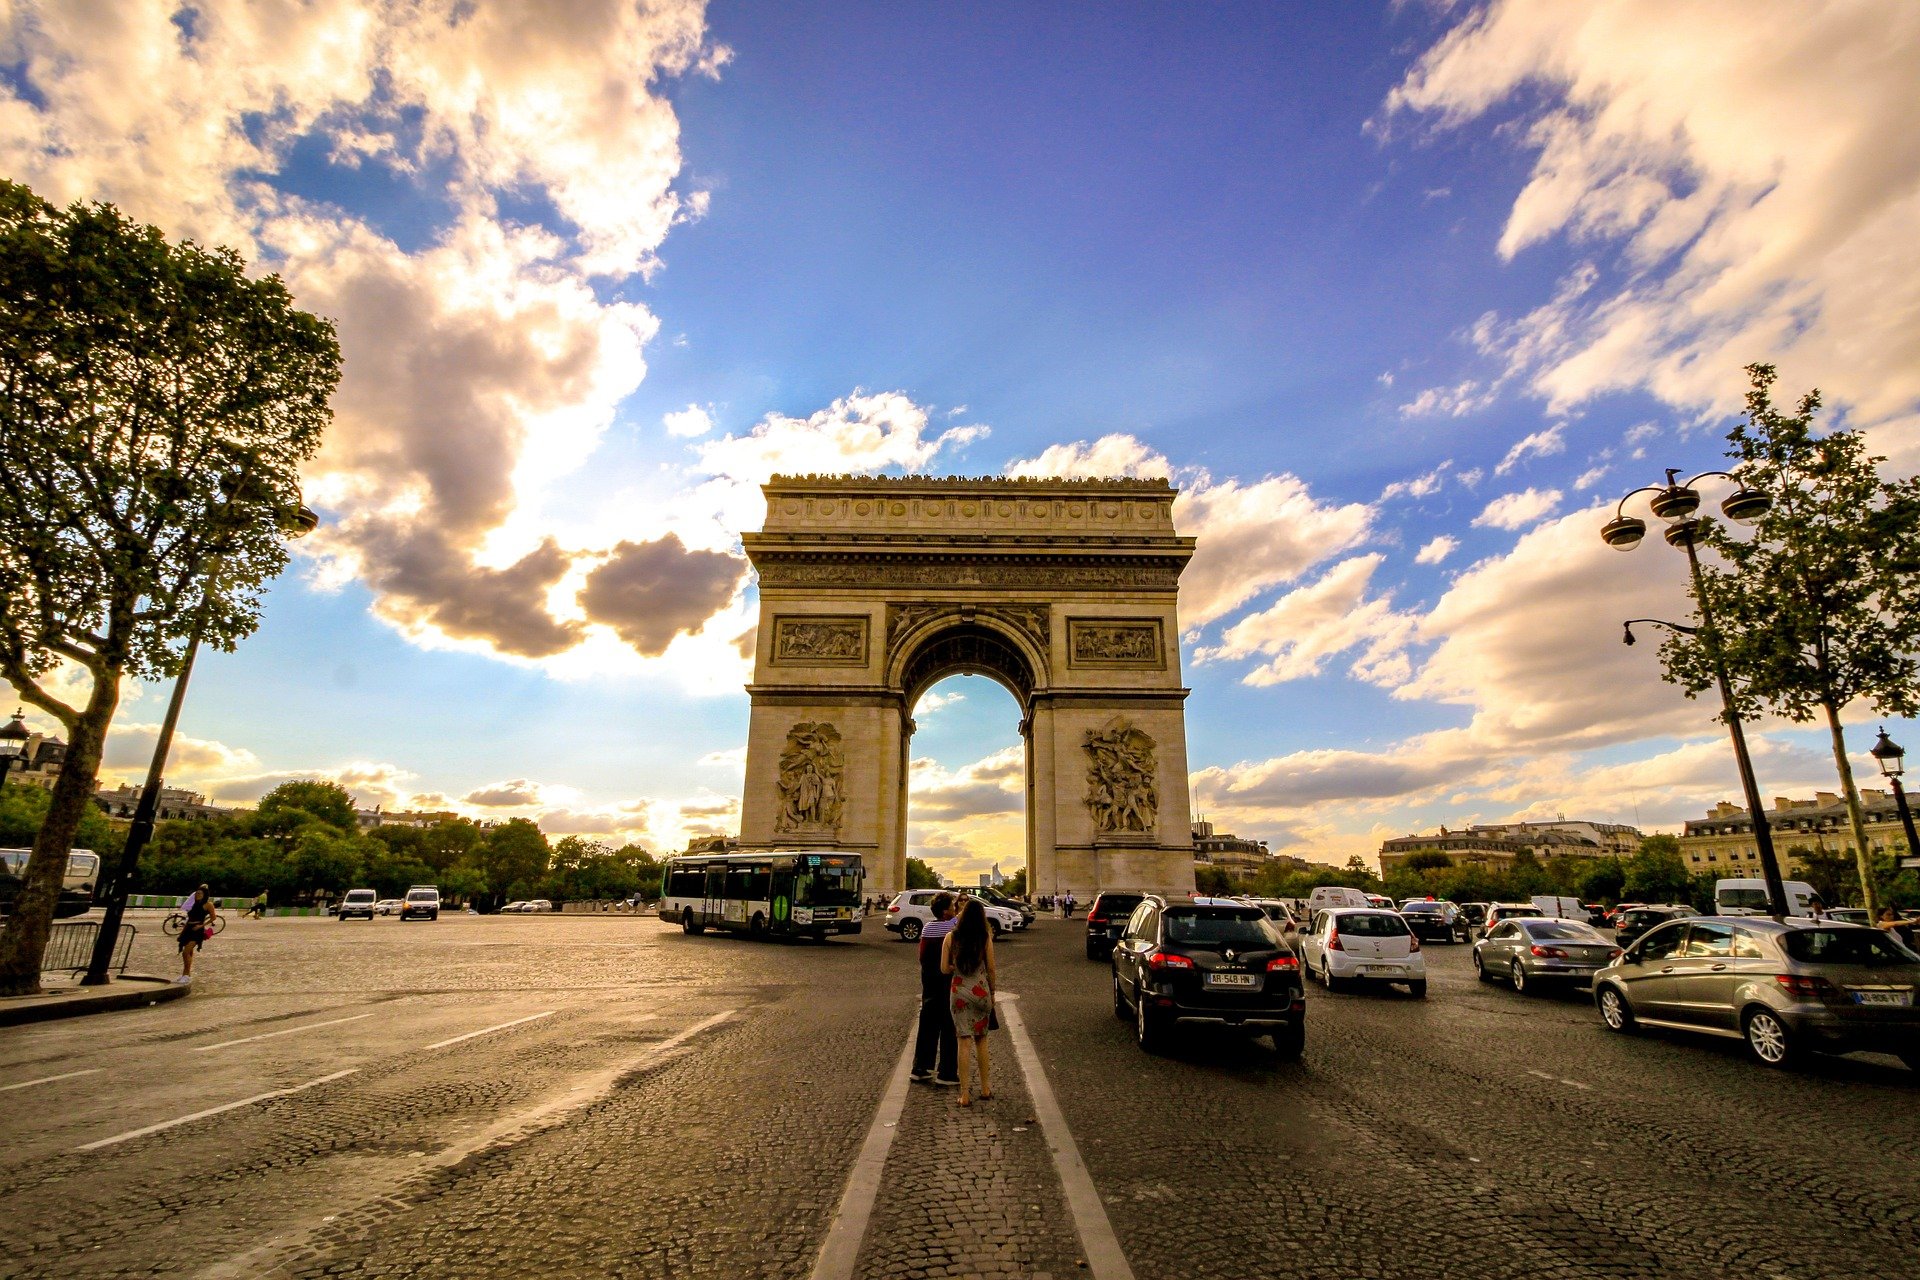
x=213, y=1111
x=1105, y=1260
x=64, y=1075
x=841, y=1250
x=268, y=1035
x=484, y=1031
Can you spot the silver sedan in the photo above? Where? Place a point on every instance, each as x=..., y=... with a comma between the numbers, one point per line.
x=1530, y=952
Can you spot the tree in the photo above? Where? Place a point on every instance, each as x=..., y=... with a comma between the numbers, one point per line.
x=1605, y=880
x=1815, y=610
x=155, y=406
x=1016, y=885
x=920, y=875
x=514, y=855
x=1427, y=860
x=327, y=801
x=1656, y=873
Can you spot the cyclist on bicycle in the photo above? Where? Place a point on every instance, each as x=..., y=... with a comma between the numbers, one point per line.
x=202, y=914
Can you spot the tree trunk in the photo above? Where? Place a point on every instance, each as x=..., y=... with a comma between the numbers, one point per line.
x=24, y=939
x=1863, y=856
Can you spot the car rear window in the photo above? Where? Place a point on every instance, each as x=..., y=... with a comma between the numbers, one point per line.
x=1220, y=928
x=1117, y=904
x=1563, y=930
x=1435, y=907
x=1846, y=946
x=1372, y=926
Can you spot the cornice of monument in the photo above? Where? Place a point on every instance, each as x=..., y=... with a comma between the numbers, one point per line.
x=848, y=483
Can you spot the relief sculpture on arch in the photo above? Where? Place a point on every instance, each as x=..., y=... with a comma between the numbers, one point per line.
x=812, y=768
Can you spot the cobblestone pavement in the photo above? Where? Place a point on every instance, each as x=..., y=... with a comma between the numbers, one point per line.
x=605, y=1096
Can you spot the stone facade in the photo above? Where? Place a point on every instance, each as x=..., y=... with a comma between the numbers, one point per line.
x=1065, y=591
x=1722, y=842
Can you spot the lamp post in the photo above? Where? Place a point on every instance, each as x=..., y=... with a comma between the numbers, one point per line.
x=1889, y=753
x=295, y=523
x=13, y=744
x=1676, y=503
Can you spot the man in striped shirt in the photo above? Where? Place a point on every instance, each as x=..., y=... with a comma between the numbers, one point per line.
x=936, y=1023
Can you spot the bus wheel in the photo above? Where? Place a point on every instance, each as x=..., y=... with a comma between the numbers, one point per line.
x=757, y=927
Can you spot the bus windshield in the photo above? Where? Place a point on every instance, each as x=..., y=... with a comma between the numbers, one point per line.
x=828, y=885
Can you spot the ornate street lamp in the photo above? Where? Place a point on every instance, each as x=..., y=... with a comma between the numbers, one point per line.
x=295, y=522
x=1889, y=754
x=13, y=744
x=1676, y=503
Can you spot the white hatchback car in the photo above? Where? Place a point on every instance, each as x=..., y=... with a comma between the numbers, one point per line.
x=1353, y=944
x=912, y=911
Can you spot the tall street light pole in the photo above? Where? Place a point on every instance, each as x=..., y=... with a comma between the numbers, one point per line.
x=1889, y=753
x=1676, y=503
x=300, y=522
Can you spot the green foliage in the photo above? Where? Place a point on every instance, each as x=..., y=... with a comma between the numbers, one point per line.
x=1212, y=880
x=583, y=870
x=327, y=802
x=1016, y=885
x=1427, y=860
x=514, y=856
x=1657, y=874
x=920, y=875
x=24, y=808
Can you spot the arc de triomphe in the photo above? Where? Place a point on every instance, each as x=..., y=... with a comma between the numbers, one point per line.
x=874, y=588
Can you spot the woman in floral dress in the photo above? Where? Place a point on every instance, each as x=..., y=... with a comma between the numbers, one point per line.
x=967, y=954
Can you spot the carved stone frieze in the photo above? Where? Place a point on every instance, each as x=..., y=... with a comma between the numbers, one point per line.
x=812, y=775
x=809, y=640
x=856, y=574
x=1123, y=792
x=1118, y=642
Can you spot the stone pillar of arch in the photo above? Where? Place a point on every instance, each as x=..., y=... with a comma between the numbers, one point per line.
x=1064, y=591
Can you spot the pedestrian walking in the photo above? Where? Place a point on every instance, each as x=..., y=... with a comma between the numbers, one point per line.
x=966, y=955
x=935, y=1046
x=201, y=912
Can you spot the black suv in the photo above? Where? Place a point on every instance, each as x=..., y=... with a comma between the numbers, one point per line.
x=1183, y=962
x=1434, y=921
x=1107, y=920
x=1634, y=921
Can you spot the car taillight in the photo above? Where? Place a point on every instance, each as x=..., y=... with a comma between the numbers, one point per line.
x=895, y=907
x=1095, y=919
x=1281, y=964
x=1168, y=960
x=1614, y=954
x=1550, y=953
x=1801, y=985
x=1333, y=942
x=1413, y=943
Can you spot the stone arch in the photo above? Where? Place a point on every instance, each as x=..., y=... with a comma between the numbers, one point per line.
x=1064, y=591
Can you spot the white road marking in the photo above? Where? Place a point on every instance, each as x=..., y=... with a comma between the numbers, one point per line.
x=849, y=1227
x=1572, y=1084
x=268, y=1035
x=65, y=1075
x=211, y=1111
x=1105, y=1260
x=485, y=1031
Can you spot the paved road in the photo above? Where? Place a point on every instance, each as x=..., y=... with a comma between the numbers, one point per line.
x=604, y=1096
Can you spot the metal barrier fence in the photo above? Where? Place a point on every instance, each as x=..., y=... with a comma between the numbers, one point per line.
x=70, y=947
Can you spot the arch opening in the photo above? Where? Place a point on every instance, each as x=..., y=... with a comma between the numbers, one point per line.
x=967, y=781
x=968, y=649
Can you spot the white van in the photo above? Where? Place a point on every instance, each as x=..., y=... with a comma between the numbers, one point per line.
x=1749, y=897
x=1329, y=896
x=1559, y=908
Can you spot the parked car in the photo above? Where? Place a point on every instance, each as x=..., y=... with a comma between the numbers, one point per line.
x=513, y=908
x=537, y=904
x=1498, y=911
x=1784, y=987
x=1530, y=953
x=388, y=906
x=912, y=911
x=358, y=902
x=993, y=897
x=1355, y=944
x=1189, y=963
x=1434, y=921
x=1631, y=923
x=1107, y=921
x=422, y=903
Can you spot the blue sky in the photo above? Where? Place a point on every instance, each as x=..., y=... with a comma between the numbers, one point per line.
x=1399, y=295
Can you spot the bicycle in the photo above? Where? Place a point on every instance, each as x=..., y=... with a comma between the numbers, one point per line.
x=174, y=923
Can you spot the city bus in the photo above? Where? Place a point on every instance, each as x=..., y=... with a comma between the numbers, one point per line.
x=76, y=888
x=764, y=893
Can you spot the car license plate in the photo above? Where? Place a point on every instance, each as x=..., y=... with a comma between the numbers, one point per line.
x=1883, y=997
x=1379, y=968
x=1232, y=980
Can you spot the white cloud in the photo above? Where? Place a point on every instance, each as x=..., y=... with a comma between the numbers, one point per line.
x=1311, y=624
x=1540, y=444
x=1754, y=171
x=694, y=420
x=1437, y=549
x=1251, y=536
x=1518, y=510
x=1456, y=401
x=1590, y=477
x=1421, y=486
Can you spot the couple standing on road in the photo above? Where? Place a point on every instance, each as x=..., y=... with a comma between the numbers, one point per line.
x=957, y=981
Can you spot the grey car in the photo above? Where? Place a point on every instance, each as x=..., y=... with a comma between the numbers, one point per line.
x=1784, y=987
x=1530, y=953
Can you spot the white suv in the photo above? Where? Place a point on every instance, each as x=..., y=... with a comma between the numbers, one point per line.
x=912, y=911
x=423, y=900
x=1352, y=944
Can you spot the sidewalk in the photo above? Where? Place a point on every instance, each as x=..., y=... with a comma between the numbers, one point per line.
x=63, y=997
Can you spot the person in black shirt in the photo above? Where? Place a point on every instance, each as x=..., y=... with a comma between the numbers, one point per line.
x=936, y=1024
x=199, y=927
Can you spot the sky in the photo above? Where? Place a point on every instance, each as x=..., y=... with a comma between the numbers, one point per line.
x=1402, y=297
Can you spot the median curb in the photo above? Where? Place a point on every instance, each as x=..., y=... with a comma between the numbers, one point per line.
x=129, y=991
